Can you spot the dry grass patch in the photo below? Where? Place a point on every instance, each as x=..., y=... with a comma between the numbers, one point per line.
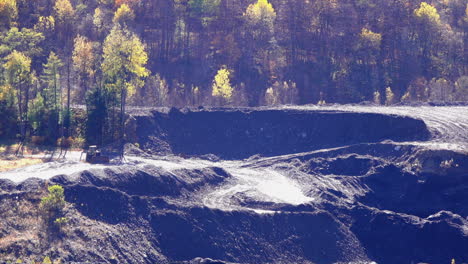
x=14, y=163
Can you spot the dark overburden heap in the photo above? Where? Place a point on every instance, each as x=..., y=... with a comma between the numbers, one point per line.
x=238, y=134
x=362, y=197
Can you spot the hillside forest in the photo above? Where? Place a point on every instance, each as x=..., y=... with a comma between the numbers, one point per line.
x=70, y=68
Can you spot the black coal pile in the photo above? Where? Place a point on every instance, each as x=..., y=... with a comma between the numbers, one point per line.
x=256, y=186
x=233, y=134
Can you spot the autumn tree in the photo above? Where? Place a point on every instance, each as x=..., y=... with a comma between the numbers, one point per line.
x=26, y=41
x=367, y=54
x=427, y=30
x=427, y=14
x=221, y=88
x=7, y=95
x=45, y=24
x=260, y=18
x=124, y=15
x=99, y=21
x=83, y=65
x=369, y=43
x=8, y=12
x=18, y=75
x=65, y=15
x=261, y=49
x=123, y=66
x=64, y=11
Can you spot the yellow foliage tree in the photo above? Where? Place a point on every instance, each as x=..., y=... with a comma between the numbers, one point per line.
x=427, y=13
x=8, y=12
x=64, y=10
x=123, y=15
x=47, y=260
x=222, y=85
x=17, y=67
x=261, y=12
x=124, y=60
x=83, y=62
x=369, y=45
x=7, y=93
x=45, y=24
x=428, y=31
x=18, y=75
x=370, y=39
x=26, y=41
x=65, y=15
x=98, y=19
x=83, y=56
x=260, y=19
x=124, y=66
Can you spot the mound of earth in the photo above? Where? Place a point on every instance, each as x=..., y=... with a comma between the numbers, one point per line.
x=246, y=186
x=232, y=134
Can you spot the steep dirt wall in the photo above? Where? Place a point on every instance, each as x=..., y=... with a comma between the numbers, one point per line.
x=241, y=134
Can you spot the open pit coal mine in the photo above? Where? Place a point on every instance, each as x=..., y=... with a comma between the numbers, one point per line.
x=335, y=184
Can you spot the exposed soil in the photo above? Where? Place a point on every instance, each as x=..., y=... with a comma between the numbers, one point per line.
x=357, y=185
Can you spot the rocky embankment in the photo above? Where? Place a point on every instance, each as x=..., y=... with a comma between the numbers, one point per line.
x=254, y=186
